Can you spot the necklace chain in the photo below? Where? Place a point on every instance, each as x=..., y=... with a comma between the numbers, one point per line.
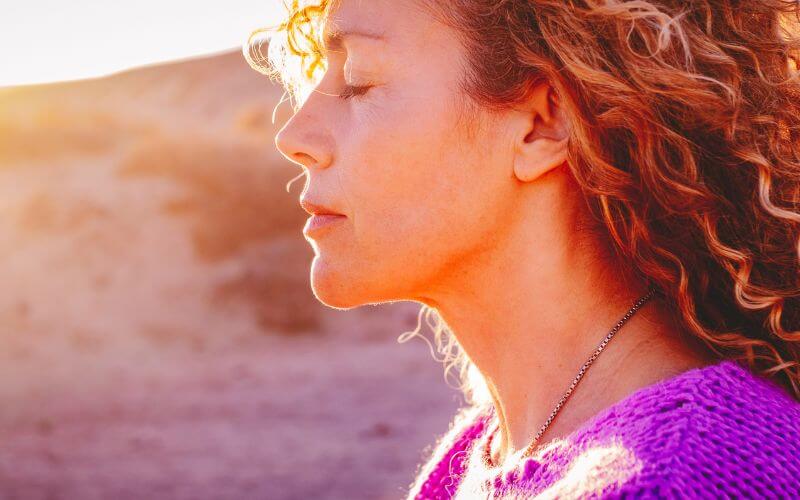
x=487, y=456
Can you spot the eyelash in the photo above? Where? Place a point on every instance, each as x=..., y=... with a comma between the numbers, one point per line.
x=351, y=91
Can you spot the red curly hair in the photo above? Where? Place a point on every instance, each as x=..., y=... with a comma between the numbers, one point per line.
x=685, y=142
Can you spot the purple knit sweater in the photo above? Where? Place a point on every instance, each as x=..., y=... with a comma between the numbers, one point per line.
x=710, y=432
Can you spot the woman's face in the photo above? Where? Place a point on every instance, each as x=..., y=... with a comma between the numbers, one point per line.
x=423, y=194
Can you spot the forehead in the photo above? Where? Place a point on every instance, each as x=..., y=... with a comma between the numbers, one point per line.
x=373, y=21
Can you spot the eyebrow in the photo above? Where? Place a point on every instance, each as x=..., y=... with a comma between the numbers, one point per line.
x=334, y=38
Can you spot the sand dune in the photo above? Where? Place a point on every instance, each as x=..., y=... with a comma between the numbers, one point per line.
x=159, y=336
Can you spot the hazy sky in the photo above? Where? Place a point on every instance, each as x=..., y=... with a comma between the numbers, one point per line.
x=52, y=40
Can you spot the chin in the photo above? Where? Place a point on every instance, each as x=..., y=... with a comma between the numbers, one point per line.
x=334, y=300
x=348, y=285
x=332, y=288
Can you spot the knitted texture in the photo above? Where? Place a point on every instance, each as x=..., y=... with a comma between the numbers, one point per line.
x=714, y=431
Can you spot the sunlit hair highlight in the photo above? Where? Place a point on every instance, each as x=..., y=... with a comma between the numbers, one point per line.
x=685, y=143
x=295, y=55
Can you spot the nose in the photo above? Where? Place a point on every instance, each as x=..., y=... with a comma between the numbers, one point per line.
x=301, y=140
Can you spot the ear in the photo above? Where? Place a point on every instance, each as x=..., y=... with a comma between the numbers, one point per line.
x=542, y=135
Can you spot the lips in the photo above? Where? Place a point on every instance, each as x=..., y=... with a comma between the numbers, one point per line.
x=316, y=223
x=317, y=208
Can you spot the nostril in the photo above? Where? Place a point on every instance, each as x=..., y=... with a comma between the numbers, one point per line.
x=303, y=159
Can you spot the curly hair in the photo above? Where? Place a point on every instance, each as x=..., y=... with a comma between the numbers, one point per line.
x=685, y=144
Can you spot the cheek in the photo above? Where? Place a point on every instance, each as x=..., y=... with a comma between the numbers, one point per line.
x=418, y=190
x=401, y=175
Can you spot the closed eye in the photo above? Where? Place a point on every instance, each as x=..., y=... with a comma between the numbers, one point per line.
x=351, y=91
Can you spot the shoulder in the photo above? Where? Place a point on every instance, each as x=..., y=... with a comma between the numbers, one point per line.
x=714, y=431
x=718, y=430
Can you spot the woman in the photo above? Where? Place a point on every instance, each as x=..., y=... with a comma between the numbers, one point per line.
x=594, y=191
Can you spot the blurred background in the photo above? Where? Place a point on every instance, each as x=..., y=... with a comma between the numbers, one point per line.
x=159, y=338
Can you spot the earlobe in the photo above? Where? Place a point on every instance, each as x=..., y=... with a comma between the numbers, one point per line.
x=541, y=156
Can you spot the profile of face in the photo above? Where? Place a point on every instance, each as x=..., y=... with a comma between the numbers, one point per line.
x=426, y=194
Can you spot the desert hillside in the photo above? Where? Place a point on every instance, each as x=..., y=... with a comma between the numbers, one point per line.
x=159, y=337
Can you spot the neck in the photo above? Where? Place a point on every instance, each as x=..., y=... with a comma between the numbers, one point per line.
x=528, y=320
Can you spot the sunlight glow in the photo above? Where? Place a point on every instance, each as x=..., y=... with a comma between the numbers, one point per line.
x=53, y=40
x=598, y=467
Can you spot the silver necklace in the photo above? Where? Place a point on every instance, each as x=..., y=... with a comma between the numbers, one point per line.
x=487, y=452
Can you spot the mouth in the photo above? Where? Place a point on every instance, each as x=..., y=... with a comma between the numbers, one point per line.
x=319, y=222
x=317, y=209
